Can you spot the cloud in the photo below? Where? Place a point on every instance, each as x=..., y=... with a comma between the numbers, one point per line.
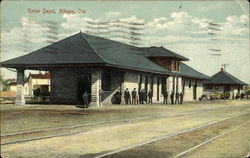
x=30, y=35
x=132, y=19
x=29, y=30
x=75, y=22
x=112, y=14
x=236, y=26
x=180, y=22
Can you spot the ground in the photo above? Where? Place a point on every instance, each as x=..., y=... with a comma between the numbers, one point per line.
x=126, y=130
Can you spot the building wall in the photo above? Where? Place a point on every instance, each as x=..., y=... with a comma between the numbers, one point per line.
x=116, y=84
x=199, y=89
x=220, y=89
x=13, y=88
x=26, y=89
x=131, y=80
x=64, y=84
x=189, y=89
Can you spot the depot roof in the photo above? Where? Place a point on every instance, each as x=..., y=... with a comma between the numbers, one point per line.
x=161, y=52
x=189, y=72
x=85, y=49
x=224, y=77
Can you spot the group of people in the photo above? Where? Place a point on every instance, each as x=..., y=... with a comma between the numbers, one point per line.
x=144, y=97
x=175, y=98
x=141, y=97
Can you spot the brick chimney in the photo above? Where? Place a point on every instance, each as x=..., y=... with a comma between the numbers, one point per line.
x=221, y=69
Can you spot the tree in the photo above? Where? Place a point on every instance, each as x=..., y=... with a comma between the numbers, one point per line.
x=3, y=83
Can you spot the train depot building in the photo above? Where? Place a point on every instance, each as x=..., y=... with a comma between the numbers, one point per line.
x=100, y=66
x=224, y=83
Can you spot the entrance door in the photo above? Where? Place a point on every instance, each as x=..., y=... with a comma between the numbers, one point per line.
x=84, y=85
x=226, y=88
x=158, y=88
x=195, y=91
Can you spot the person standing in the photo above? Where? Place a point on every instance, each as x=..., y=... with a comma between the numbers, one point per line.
x=172, y=97
x=140, y=96
x=134, y=94
x=118, y=96
x=85, y=100
x=165, y=97
x=177, y=98
x=126, y=96
x=150, y=96
x=181, y=97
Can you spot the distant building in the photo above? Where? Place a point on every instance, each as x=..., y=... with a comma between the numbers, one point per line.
x=223, y=82
x=86, y=63
x=37, y=85
x=34, y=85
x=12, y=86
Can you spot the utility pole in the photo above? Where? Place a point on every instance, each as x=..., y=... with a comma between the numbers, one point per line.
x=224, y=66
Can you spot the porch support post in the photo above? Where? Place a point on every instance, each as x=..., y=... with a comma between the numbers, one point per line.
x=20, y=88
x=170, y=84
x=95, y=88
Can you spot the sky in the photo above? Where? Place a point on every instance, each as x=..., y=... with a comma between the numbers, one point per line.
x=180, y=26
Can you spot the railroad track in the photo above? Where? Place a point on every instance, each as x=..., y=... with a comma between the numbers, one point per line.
x=121, y=121
x=209, y=140
x=166, y=137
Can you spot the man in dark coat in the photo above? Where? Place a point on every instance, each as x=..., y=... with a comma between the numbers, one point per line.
x=165, y=97
x=134, y=94
x=181, y=97
x=177, y=97
x=172, y=97
x=118, y=96
x=150, y=96
x=85, y=100
x=141, y=96
x=126, y=96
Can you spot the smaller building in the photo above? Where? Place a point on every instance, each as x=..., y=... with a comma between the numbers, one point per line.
x=34, y=85
x=37, y=85
x=12, y=86
x=225, y=84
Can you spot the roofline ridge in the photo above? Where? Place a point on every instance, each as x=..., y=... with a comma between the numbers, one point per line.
x=83, y=35
x=204, y=75
x=176, y=54
x=235, y=79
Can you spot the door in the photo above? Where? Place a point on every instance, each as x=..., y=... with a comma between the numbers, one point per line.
x=158, y=88
x=84, y=85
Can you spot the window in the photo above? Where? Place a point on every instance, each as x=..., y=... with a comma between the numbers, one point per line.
x=168, y=64
x=177, y=84
x=106, y=81
x=189, y=86
x=173, y=84
x=183, y=86
x=158, y=88
x=209, y=87
x=152, y=82
x=163, y=86
x=146, y=83
x=178, y=65
x=174, y=66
